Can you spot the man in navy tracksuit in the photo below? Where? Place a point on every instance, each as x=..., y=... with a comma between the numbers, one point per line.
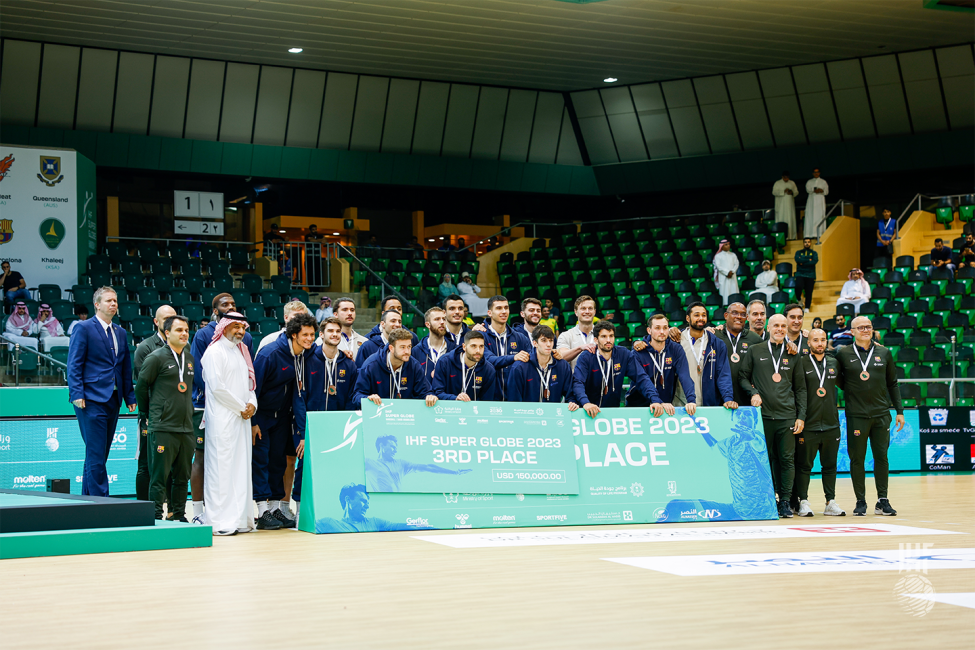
x=329, y=384
x=464, y=375
x=378, y=339
x=279, y=370
x=456, y=310
x=599, y=376
x=665, y=364
x=543, y=378
x=390, y=303
x=222, y=303
x=393, y=375
x=503, y=345
x=437, y=344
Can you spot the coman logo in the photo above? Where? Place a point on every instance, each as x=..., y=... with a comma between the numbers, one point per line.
x=709, y=514
x=419, y=521
x=551, y=517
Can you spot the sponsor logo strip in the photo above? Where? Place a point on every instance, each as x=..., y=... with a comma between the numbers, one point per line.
x=661, y=534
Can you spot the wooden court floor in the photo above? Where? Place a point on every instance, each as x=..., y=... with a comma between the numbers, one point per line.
x=287, y=589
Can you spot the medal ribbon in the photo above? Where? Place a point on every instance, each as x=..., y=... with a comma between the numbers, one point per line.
x=607, y=372
x=545, y=378
x=866, y=362
x=178, y=365
x=659, y=365
x=704, y=346
x=822, y=377
x=464, y=374
x=394, y=378
x=775, y=364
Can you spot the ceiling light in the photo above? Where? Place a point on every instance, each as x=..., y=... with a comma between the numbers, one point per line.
x=295, y=50
x=431, y=240
x=441, y=238
x=610, y=80
x=336, y=234
x=283, y=232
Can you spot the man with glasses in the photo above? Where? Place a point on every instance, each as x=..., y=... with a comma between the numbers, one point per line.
x=871, y=390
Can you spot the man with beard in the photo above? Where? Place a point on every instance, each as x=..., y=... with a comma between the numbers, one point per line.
x=707, y=362
x=599, y=375
x=391, y=320
x=794, y=332
x=222, y=304
x=768, y=376
x=390, y=303
x=393, y=374
x=144, y=349
x=280, y=371
x=544, y=378
x=434, y=346
x=821, y=432
x=531, y=314
x=230, y=403
x=351, y=340
x=463, y=374
x=664, y=362
x=756, y=319
x=737, y=339
x=456, y=327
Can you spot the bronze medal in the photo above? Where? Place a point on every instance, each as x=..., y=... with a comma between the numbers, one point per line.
x=821, y=391
x=181, y=387
x=605, y=390
x=735, y=358
x=331, y=390
x=776, y=378
x=546, y=394
x=864, y=375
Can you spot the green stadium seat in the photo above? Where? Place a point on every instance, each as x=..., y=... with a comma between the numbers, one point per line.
x=195, y=311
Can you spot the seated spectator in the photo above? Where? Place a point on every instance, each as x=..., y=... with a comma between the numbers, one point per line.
x=767, y=281
x=817, y=323
x=467, y=316
x=419, y=252
x=842, y=335
x=20, y=327
x=856, y=291
x=548, y=320
x=82, y=313
x=324, y=309
x=14, y=286
x=371, y=243
x=467, y=290
x=941, y=256
x=965, y=254
x=49, y=329
x=447, y=288
x=553, y=310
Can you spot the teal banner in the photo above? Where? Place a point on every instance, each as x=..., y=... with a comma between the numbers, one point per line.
x=496, y=447
x=632, y=468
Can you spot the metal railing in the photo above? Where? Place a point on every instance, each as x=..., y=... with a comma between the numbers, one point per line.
x=935, y=380
x=917, y=198
x=16, y=361
x=308, y=261
x=384, y=286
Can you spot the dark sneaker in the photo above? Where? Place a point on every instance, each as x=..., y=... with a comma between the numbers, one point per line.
x=268, y=521
x=883, y=508
x=785, y=510
x=286, y=521
x=861, y=509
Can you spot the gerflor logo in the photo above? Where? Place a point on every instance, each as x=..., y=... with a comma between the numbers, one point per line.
x=417, y=521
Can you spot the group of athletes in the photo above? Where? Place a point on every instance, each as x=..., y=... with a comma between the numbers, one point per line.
x=789, y=373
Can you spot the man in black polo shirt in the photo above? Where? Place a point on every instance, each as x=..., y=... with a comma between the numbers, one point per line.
x=821, y=432
x=871, y=390
x=767, y=376
x=738, y=339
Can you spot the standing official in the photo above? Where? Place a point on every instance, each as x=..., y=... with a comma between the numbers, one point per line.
x=821, y=431
x=230, y=403
x=464, y=375
x=99, y=379
x=544, y=378
x=707, y=362
x=599, y=376
x=435, y=345
x=503, y=346
x=871, y=391
x=393, y=374
x=738, y=340
x=279, y=371
x=726, y=271
x=147, y=347
x=664, y=362
x=222, y=304
x=330, y=377
x=814, y=223
x=580, y=338
x=163, y=394
x=768, y=376
x=784, y=191
x=805, y=275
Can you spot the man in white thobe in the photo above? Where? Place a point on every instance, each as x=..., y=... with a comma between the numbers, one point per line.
x=230, y=402
x=726, y=271
x=814, y=223
x=49, y=329
x=20, y=328
x=785, y=192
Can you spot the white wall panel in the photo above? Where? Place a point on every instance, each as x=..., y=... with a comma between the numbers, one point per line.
x=239, y=100
x=459, y=128
x=96, y=90
x=431, y=111
x=169, y=97
x=21, y=74
x=132, y=93
x=59, y=85
x=489, y=124
x=274, y=95
x=337, y=111
x=400, y=115
x=370, y=107
x=306, y=108
x=203, y=104
x=545, y=132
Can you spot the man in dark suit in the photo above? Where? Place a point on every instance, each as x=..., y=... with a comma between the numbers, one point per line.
x=99, y=376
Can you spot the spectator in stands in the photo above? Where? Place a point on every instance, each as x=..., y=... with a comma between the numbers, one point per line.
x=553, y=309
x=203, y=323
x=419, y=252
x=841, y=335
x=548, y=321
x=767, y=281
x=941, y=256
x=461, y=244
x=805, y=275
x=468, y=291
x=886, y=230
x=49, y=329
x=725, y=270
x=14, y=286
x=467, y=317
x=817, y=324
x=82, y=313
x=273, y=235
x=856, y=291
x=324, y=310
x=313, y=234
x=371, y=242
x=447, y=288
x=966, y=253
x=785, y=192
x=446, y=247
x=20, y=327
x=814, y=222
x=284, y=264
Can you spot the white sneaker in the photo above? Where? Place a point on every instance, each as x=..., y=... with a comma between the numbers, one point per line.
x=804, y=509
x=198, y=520
x=833, y=510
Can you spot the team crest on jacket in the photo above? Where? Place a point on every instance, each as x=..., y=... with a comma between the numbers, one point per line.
x=555, y=377
x=160, y=449
x=785, y=362
x=199, y=440
x=402, y=381
x=341, y=372
x=514, y=345
x=856, y=432
x=744, y=346
x=669, y=360
x=617, y=367
x=477, y=379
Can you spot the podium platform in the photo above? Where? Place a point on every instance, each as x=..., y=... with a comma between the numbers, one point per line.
x=38, y=524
